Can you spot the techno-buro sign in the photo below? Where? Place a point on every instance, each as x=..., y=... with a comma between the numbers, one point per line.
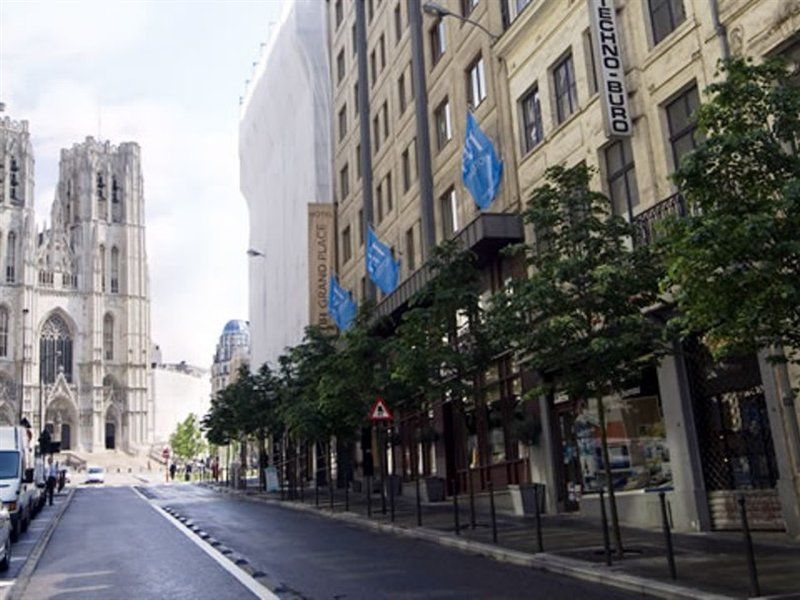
x=608, y=57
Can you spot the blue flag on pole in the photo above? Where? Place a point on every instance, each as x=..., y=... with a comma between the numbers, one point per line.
x=481, y=169
x=382, y=268
x=341, y=306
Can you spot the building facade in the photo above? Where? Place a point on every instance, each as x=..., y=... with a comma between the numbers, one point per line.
x=536, y=80
x=74, y=300
x=233, y=352
x=178, y=390
x=285, y=166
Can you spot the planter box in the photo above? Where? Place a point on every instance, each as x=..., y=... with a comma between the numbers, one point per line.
x=432, y=489
x=523, y=498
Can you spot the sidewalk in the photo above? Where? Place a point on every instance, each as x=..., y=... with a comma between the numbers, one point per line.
x=714, y=563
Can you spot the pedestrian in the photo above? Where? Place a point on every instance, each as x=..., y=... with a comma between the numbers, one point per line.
x=188, y=474
x=50, y=484
x=172, y=468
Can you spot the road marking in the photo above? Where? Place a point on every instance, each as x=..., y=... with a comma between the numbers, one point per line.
x=246, y=580
x=16, y=558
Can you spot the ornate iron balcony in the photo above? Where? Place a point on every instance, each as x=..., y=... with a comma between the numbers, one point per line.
x=646, y=222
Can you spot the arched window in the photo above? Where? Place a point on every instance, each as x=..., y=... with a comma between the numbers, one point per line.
x=11, y=258
x=3, y=331
x=102, y=205
x=114, y=270
x=102, y=268
x=116, y=201
x=55, y=350
x=108, y=337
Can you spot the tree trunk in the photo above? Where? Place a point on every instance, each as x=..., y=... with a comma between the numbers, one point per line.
x=262, y=461
x=243, y=461
x=612, y=500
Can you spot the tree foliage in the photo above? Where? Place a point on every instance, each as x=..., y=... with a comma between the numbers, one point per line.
x=733, y=263
x=187, y=439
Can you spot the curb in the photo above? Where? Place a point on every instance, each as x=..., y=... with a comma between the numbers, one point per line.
x=17, y=591
x=544, y=561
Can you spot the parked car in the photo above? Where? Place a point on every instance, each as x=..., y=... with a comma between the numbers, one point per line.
x=18, y=491
x=95, y=475
x=5, y=538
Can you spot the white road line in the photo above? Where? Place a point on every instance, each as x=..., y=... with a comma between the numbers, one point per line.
x=16, y=558
x=246, y=580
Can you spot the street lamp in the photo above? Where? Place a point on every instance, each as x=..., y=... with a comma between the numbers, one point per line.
x=437, y=10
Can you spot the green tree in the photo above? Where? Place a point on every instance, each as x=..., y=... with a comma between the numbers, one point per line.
x=579, y=317
x=733, y=263
x=187, y=440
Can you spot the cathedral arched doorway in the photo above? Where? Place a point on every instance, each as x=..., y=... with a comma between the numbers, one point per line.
x=60, y=419
x=111, y=427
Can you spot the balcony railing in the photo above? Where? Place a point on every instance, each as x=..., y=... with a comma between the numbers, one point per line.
x=646, y=223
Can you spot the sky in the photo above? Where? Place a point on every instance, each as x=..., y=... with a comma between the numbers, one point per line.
x=167, y=74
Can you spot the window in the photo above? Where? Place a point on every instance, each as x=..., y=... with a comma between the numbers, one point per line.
x=3, y=331
x=410, y=254
x=379, y=201
x=114, y=270
x=681, y=124
x=382, y=51
x=108, y=337
x=401, y=92
x=467, y=6
x=385, y=119
x=347, y=247
x=340, y=66
x=55, y=350
x=339, y=12
x=449, y=208
x=565, y=90
x=621, y=176
x=406, y=170
x=342, y=122
x=344, y=182
x=102, y=268
x=355, y=39
x=355, y=98
x=441, y=117
x=665, y=16
x=358, y=161
x=389, y=196
x=512, y=9
x=14, y=194
x=11, y=258
x=360, y=226
x=102, y=205
x=373, y=66
x=532, y=128
x=398, y=24
x=411, y=82
x=476, y=82
x=376, y=130
x=116, y=201
x=438, y=46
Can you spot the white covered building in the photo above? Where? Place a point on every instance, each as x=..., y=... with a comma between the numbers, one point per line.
x=285, y=164
x=74, y=298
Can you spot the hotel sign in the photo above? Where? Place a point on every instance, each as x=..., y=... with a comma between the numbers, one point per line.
x=320, y=262
x=608, y=57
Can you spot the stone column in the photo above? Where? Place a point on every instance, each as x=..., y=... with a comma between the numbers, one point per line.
x=690, y=511
x=785, y=438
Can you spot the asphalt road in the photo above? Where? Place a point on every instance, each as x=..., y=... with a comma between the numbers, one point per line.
x=111, y=544
x=319, y=558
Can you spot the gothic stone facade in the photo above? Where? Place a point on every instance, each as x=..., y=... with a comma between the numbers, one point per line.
x=74, y=300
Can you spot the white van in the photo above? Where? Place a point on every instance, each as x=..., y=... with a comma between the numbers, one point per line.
x=18, y=491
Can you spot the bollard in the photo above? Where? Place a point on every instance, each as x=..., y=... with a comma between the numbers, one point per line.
x=667, y=536
x=302, y=489
x=330, y=492
x=755, y=589
x=419, y=504
x=539, y=544
x=491, y=508
x=369, y=496
x=391, y=500
x=347, y=496
x=604, y=518
x=316, y=492
x=471, y=486
x=456, y=516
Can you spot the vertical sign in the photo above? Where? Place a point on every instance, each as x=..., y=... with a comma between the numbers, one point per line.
x=608, y=57
x=320, y=262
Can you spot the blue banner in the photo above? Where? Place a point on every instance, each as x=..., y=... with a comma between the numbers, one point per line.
x=382, y=268
x=481, y=169
x=341, y=306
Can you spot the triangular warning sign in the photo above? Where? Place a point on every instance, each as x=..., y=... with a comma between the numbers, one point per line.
x=380, y=412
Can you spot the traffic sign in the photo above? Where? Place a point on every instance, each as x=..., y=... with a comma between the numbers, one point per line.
x=380, y=412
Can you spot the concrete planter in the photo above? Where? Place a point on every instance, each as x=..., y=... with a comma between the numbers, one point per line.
x=523, y=498
x=433, y=489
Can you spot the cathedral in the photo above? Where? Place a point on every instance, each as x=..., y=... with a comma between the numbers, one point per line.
x=74, y=299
